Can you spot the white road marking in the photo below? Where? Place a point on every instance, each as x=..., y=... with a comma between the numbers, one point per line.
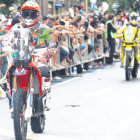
x=49, y=137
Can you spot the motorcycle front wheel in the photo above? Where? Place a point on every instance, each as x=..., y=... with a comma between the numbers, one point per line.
x=127, y=70
x=20, y=124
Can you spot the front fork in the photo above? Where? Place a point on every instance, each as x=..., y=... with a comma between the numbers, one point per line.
x=14, y=89
x=124, y=55
x=29, y=104
x=138, y=55
x=29, y=101
x=131, y=63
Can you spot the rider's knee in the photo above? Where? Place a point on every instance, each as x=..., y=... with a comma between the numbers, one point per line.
x=44, y=71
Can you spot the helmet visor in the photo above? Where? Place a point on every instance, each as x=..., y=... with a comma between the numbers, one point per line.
x=29, y=14
x=134, y=17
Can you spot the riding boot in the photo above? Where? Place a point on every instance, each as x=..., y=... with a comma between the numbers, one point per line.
x=46, y=83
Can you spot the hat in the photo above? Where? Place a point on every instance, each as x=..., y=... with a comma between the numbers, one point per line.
x=49, y=6
x=72, y=5
x=65, y=13
x=62, y=23
x=15, y=21
x=11, y=8
x=3, y=18
x=45, y=18
x=82, y=7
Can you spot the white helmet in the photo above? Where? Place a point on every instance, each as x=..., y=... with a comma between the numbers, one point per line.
x=133, y=18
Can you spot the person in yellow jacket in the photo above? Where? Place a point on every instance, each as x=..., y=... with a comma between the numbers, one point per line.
x=130, y=32
x=138, y=38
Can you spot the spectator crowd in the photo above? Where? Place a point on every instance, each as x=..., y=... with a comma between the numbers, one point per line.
x=76, y=33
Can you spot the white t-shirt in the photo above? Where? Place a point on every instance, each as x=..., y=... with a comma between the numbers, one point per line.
x=71, y=11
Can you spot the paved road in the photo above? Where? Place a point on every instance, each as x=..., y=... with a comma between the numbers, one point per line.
x=100, y=105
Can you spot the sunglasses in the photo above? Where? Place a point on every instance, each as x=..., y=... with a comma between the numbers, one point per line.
x=29, y=13
x=134, y=18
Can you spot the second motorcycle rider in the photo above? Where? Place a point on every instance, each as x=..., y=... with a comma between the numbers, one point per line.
x=41, y=36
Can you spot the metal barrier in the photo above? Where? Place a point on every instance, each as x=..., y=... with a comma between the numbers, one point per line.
x=87, y=57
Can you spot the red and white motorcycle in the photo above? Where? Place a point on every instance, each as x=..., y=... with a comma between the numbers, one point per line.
x=27, y=96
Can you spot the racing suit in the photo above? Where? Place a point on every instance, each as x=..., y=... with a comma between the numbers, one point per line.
x=41, y=39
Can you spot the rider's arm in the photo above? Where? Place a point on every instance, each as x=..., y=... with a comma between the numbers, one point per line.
x=121, y=30
x=5, y=54
x=2, y=37
x=138, y=36
x=2, y=5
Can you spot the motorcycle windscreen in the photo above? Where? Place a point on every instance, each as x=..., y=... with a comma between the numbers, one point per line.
x=130, y=33
x=21, y=44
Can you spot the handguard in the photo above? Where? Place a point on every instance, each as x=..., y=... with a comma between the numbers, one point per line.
x=118, y=35
x=138, y=38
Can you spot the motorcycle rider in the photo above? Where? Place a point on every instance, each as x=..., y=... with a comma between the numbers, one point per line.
x=30, y=18
x=134, y=29
x=138, y=24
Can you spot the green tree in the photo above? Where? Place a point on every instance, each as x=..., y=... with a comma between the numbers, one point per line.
x=123, y=4
x=5, y=10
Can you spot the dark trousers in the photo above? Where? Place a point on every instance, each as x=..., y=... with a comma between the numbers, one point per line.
x=44, y=71
x=71, y=53
x=63, y=54
x=90, y=48
x=111, y=43
x=5, y=65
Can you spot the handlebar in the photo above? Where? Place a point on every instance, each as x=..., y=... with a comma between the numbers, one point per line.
x=118, y=35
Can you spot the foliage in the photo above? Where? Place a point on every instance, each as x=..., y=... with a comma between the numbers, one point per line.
x=123, y=4
x=132, y=5
x=5, y=10
x=9, y=3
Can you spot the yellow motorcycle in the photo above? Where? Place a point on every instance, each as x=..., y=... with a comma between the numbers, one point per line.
x=129, y=56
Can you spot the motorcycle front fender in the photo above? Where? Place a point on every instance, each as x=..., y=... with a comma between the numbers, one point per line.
x=128, y=48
